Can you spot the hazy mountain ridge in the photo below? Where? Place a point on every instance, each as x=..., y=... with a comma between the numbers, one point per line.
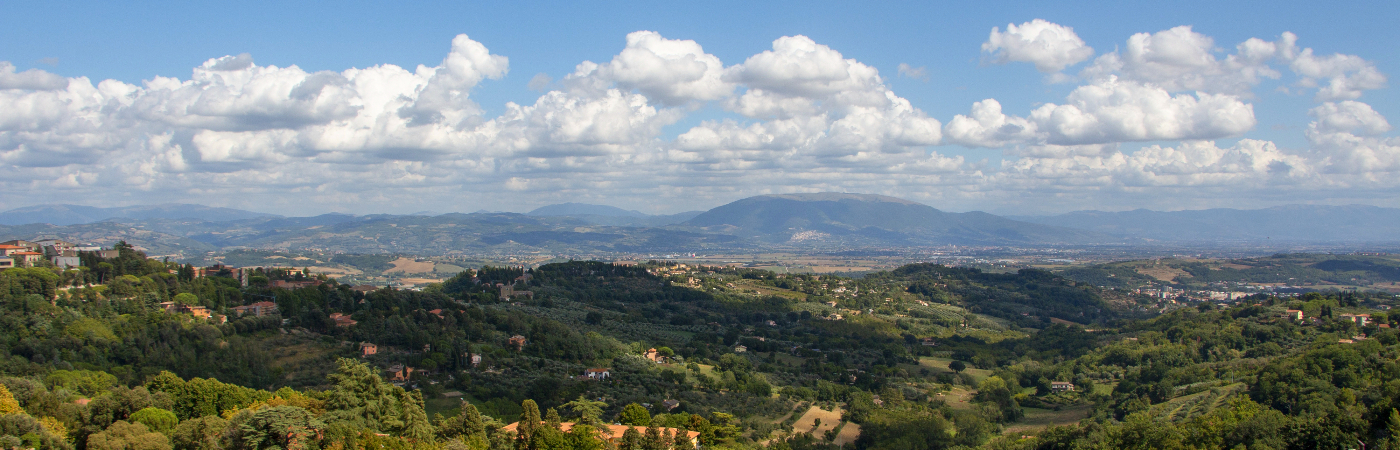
x=861, y=218
x=1300, y=223
x=107, y=233
x=789, y=221
x=572, y=209
x=424, y=235
x=78, y=214
x=611, y=215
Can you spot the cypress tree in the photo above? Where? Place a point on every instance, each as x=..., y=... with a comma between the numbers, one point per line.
x=631, y=440
x=529, y=421
x=552, y=420
x=471, y=420
x=653, y=440
x=681, y=441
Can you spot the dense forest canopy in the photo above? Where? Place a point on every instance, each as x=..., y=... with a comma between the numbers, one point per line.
x=130, y=352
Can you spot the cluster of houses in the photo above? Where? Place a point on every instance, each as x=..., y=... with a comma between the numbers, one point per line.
x=1359, y=319
x=61, y=253
x=197, y=311
x=258, y=309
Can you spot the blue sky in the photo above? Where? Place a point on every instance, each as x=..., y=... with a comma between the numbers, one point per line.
x=289, y=165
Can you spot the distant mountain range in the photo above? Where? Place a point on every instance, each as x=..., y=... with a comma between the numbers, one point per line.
x=76, y=214
x=790, y=221
x=611, y=215
x=1290, y=223
x=575, y=209
x=854, y=219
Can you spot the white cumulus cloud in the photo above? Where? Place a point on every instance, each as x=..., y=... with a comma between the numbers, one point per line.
x=1050, y=46
x=1344, y=137
x=32, y=79
x=669, y=70
x=1345, y=76
x=1180, y=59
x=1107, y=111
x=1118, y=110
x=988, y=127
x=810, y=104
x=800, y=116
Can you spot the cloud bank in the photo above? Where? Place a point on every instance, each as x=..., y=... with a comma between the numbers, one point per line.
x=800, y=116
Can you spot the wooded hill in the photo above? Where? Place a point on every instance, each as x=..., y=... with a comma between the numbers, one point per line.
x=1303, y=270
x=925, y=356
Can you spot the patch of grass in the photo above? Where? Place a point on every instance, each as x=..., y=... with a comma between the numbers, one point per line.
x=1188, y=406
x=941, y=364
x=959, y=397
x=1038, y=419
x=447, y=269
x=448, y=407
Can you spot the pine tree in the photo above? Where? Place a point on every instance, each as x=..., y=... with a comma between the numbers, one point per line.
x=1393, y=426
x=588, y=411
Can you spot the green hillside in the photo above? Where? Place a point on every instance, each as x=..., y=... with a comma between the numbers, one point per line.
x=925, y=356
x=1376, y=272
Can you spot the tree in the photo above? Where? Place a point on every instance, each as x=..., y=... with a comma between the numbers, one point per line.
x=588, y=411
x=471, y=422
x=552, y=419
x=361, y=398
x=682, y=441
x=122, y=435
x=653, y=440
x=631, y=440
x=120, y=402
x=201, y=433
x=281, y=427
x=957, y=366
x=529, y=422
x=8, y=404
x=997, y=392
x=702, y=426
x=1392, y=425
x=201, y=397
x=156, y=419
x=635, y=415
x=186, y=298
x=583, y=437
